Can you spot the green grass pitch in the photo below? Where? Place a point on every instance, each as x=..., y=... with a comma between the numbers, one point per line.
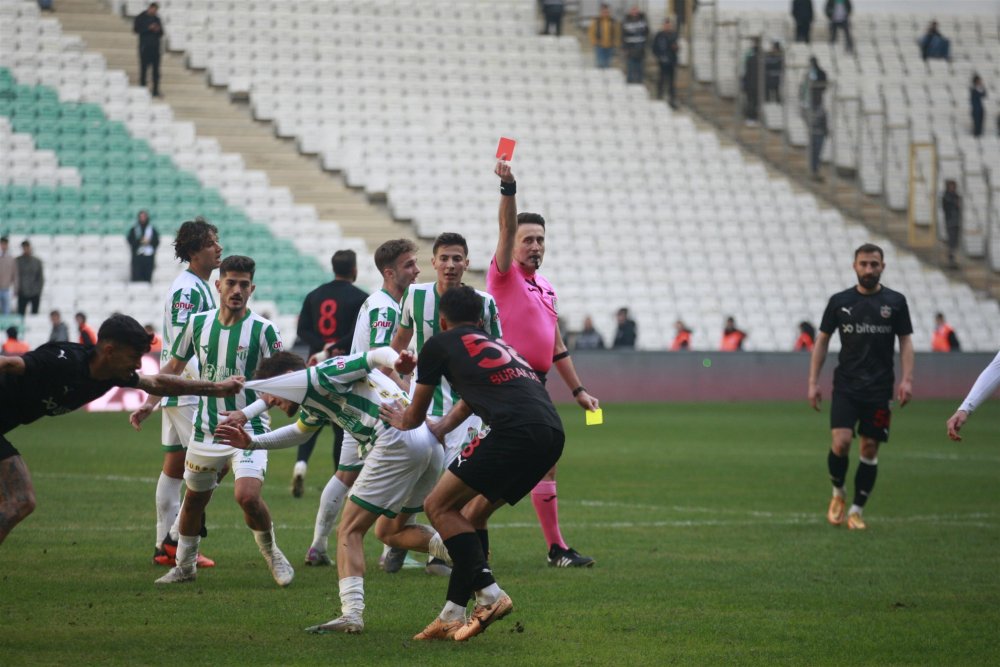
x=706, y=520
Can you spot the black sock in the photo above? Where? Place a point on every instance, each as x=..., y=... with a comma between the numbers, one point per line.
x=470, y=571
x=484, y=540
x=837, y=466
x=864, y=482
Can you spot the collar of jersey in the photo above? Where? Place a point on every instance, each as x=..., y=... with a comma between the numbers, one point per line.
x=234, y=324
x=389, y=295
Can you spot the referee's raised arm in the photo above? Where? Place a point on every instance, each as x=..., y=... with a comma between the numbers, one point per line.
x=508, y=217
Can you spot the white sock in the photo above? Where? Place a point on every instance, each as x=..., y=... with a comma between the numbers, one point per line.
x=265, y=541
x=168, y=505
x=489, y=595
x=437, y=549
x=452, y=612
x=839, y=492
x=856, y=509
x=326, y=516
x=352, y=596
x=187, y=551
x=300, y=469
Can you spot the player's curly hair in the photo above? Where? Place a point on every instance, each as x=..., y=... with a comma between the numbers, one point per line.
x=193, y=236
x=125, y=330
x=450, y=238
x=238, y=264
x=461, y=304
x=278, y=364
x=387, y=253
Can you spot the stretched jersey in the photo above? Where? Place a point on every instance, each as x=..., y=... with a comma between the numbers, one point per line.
x=188, y=296
x=377, y=322
x=222, y=352
x=419, y=312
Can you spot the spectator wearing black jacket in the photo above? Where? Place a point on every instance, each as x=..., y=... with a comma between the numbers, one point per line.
x=149, y=28
x=666, y=50
x=553, y=11
x=635, y=34
x=802, y=12
x=626, y=334
x=839, y=13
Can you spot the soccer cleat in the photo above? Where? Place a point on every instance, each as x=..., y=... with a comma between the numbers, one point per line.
x=483, y=616
x=178, y=575
x=281, y=569
x=298, y=486
x=351, y=624
x=835, y=513
x=439, y=629
x=161, y=557
x=167, y=555
x=437, y=567
x=317, y=558
x=559, y=557
x=392, y=560
x=855, y=522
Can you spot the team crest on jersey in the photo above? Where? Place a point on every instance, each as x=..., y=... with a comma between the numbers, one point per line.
x=241, y=352
x=886, y=312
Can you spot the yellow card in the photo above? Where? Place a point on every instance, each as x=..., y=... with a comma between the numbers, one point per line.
x=594, y=418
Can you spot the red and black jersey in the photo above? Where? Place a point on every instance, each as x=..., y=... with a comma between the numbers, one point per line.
x=328, y=316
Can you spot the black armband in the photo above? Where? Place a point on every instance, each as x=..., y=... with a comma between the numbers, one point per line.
x=508, y=189
x=561, y=355
x=579, y=390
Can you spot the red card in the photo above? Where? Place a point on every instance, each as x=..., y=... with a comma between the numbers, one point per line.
x=505, y=150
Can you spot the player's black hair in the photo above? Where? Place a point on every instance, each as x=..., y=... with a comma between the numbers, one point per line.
x=450, y=238
x=387, y=253
x=461, y=304
x=126, y=331
x=237, y=264
x=12, y=332
x=344, y=263
x=278, y=364
x=193, y=236
x=530, y=219
x=869, y=247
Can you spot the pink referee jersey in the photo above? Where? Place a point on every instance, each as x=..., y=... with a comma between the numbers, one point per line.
x=527, y=306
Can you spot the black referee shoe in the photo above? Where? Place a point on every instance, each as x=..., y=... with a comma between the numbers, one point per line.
x=559, y=557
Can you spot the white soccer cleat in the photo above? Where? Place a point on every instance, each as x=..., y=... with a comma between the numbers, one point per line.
x=178, y=575
x=350, y=624
x=281, y=569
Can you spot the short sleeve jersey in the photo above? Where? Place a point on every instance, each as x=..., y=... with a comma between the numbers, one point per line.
x=490, y=375
x=56, y=381
x=329, y=314
x=420, y=313
x=188, y=296
x=222, y=352
x=868, y=326
x=377, y=322
x=530, y=310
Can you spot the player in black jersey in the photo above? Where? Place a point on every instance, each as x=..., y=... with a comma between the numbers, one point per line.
x=58, y=378
x=326, y=325
x=525, y=440
x=869, y=318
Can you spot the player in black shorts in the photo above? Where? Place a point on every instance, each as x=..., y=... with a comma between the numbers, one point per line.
x=869, y=317
x=58, y=378
x=525, y=440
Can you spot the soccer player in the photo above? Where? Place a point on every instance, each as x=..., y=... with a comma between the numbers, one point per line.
x=396, y=260
x=869, y=318
x=528, y=303
x=230, y=340
x=985, y=385
x=326, y=324
x=400, y=467
x=58, y=378
x=525, y=441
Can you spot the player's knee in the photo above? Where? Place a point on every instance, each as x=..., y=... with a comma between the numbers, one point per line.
x=21, y=508
x=249, y=500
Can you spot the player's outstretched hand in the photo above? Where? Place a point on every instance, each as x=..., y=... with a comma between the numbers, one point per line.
x=955, y=424
x=233, y=436
x=392, y=414
x=904, y=393
x=587, y=402
x=815, y=397
x=503, y=170
x=140, y=415
x=406, y=363
x=232, y=418
x=229, y=386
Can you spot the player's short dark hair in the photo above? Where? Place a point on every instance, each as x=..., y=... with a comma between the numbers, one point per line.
x=12, y=332
x=869, y=247
x=126, y=331
x=530, y=219
x=461, y=304
x=82, y=316
x=344, y=263
x=387, y=253
x=450, y=238
x=238, y=264
x=193, y=236
x=277, y=364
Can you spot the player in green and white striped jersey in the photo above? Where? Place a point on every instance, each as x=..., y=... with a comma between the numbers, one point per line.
x=420, y=318
x=401, y=467
x=229, y=341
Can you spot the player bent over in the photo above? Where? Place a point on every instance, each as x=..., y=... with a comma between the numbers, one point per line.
x=400, y=467
x=525, y=440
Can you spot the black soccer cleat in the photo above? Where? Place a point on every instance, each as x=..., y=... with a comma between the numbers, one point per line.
x=559, y=557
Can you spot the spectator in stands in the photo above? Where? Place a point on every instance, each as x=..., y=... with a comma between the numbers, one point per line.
x=155, y=342
x=87, y=334
x=806, y=339
x=813, y=86
x=951, y=204
x=627, y=331
x=680, y=12
x=752, y=62
x=605, y=37
x=839, y=13
x=732, y=338
x=589, y=338
x=30, y=280
x=553, y=11
x=12, y=347
x=977, y=93
x=802, y=12
x=817, y=136
x=682, y=340
x=143, y=239
x=933, y=44
x=635, y=35
x=944, y=338
x=774, y=65
x=59, y=333
x=8, y=275
x=149, y=28
x=666, y=50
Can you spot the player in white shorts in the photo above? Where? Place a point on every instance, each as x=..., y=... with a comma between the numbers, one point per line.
x=400, y=468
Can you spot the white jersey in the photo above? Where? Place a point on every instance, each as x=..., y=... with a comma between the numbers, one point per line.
x=420, y=313
x=377, y=322
x=223, y=352
x=189, y=295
